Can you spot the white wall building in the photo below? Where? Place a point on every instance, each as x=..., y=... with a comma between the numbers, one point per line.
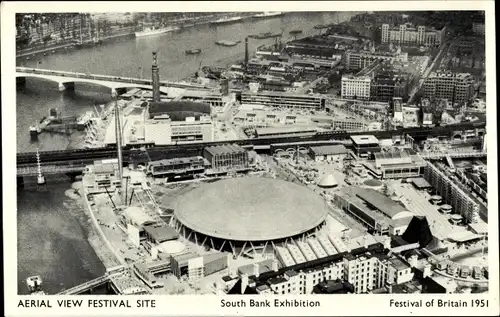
x=356, y=87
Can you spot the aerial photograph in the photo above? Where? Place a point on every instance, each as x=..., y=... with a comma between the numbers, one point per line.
x=251, y=153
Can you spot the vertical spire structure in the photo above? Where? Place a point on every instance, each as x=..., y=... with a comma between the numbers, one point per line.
x=40, y=177
x=119, y=143
x=246, y=54
x=155, y=78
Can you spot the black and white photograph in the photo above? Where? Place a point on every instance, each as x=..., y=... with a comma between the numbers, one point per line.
x=253, y=152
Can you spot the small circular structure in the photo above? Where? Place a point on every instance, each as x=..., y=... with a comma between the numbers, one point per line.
x=436, y=199
x=328, y=181
x=456, y=219
x=446, y=209
x=172, y=247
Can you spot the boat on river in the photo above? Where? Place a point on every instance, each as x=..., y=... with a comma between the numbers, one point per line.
x=155, y=31
x=227, y=43
x=193, y=51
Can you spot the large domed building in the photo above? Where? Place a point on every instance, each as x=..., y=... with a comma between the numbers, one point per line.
x=178, y=110
x=248, y=214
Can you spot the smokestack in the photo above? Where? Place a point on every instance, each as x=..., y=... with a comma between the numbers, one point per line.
x=256, y=270
x=244, y=283
x=246, y=53
x=118, y=134
x=155, y=78
x=275, y=266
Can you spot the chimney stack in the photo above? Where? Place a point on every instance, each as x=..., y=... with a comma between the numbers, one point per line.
x=244, y=283
x=246, y=53
x=155, y=78
x=256, y=270
x=275, y=266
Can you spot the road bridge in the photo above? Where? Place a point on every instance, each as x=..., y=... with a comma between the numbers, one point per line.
x=67, y=80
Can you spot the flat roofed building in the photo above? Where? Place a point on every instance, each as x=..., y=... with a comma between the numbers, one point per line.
x=365, y=145
x=328, y=152
x=227, y=157
x=284, y=100
x=358, y=60
x=284, y=131
x=176, y=166
x=455, y=87
x=401, y=164
x=357, y=87
x=160, y=232
x=412, y=35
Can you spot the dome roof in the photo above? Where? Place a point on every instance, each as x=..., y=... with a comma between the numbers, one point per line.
x=179, y=110
x=328, y=181
x=251, y=209
x=172, y=247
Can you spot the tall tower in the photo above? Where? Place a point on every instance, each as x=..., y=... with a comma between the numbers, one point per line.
x=119, y=143
x=155, y=78
x=246, y=54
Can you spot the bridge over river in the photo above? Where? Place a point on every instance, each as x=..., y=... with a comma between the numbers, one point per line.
x=67, y=80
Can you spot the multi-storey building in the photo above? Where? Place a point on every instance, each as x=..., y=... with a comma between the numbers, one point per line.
x=385, y=87
x=366, y=268
x=357, y=60
x=408, y=34
x=284, y=100
x=478, y=27
x=357, y=87
x=455, y=87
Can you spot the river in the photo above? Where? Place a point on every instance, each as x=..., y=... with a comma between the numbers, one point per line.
x=52, y=235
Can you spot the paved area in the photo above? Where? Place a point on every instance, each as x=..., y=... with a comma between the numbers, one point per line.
x=418, y=203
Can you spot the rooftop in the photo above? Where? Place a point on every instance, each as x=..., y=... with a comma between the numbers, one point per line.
x=224, y=149
x=161, y=232
x=384, y=204
x=364, y=139
x=251, y=209
x=329, y=149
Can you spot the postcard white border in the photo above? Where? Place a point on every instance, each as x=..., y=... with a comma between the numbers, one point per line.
x=210, y=305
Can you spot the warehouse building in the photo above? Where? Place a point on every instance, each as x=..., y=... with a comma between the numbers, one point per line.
x=328, y=153
x=377, y=212
x=227, y=157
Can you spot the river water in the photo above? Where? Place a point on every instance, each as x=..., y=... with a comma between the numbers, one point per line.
x=52, y=235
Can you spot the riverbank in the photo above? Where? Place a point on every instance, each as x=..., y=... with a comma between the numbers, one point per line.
x=53, y=49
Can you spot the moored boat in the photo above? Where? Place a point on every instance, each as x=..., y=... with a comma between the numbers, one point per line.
x=225, y=20
x=193, y=51
x=268, y=14
x=154, y=31
x=227, y=43
x=265, y=35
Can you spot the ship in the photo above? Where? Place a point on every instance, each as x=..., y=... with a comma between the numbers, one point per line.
x=321, y=26
x=268, y=14
x=265, y=35
x=227, y=43
x=155, y=31
x=295, y=32
x=193, y=52
x=226, y=20
x=35, y=285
